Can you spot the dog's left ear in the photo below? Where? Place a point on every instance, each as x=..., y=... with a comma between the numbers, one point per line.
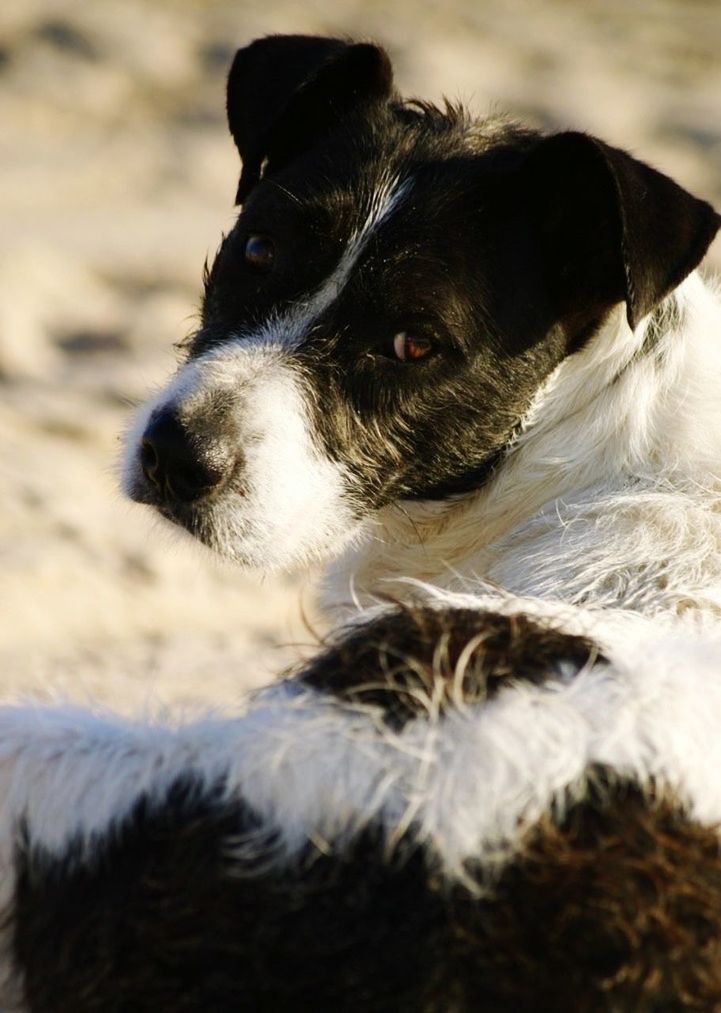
x=612, y=227
x=286, y=91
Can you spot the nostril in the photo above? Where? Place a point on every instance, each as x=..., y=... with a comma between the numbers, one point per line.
x=149, y=460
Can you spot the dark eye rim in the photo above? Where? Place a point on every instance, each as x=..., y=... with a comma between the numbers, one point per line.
x=445, y=349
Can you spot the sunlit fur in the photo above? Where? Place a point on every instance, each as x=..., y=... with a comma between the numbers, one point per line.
x=289, y=504
x=596, y=532
x=466, y=783
x=609, y=497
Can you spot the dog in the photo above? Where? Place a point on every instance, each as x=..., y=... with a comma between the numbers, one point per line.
x=472, y=369
x=431, y=346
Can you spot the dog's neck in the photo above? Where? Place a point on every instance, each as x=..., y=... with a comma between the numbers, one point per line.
x=631, y=410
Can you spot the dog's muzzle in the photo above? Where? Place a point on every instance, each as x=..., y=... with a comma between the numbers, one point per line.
x=177, y=465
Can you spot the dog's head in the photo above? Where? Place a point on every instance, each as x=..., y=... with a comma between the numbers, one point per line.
x=399, y=283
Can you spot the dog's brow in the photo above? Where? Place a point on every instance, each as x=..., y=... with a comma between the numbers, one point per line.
x=287, y=329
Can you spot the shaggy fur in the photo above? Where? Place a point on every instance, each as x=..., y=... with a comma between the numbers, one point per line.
x=474, y=369
x=425, y=660
x=546, y=876
x=165, y=919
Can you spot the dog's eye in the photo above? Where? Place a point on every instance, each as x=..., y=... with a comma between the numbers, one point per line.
x=408, y=346
x=259, y=253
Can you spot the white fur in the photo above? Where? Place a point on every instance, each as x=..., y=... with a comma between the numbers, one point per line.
x=610, y=497
x=292, y=506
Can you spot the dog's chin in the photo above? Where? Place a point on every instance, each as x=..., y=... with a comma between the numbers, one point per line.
x=242, y=541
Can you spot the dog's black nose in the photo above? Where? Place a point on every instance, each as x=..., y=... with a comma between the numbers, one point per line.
x=173, y=462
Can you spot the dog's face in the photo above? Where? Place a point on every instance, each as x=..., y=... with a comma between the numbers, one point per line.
x=398, y=285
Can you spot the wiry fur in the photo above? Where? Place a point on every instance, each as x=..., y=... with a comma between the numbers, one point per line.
x=501, y=791
x=305, y=769
x=608, y=498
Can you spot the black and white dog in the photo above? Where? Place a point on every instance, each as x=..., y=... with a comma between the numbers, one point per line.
x=472, y=368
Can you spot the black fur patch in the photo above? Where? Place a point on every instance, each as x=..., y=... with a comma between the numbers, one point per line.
x=420, y=660
x=164, y=917
x=615, y=908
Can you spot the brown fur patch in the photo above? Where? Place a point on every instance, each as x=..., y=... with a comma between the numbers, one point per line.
x=616, y=908
x=422, y=660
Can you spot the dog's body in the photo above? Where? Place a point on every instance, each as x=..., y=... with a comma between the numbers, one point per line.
x=474, y=365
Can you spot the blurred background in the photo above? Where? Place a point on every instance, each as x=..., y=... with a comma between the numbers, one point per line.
x=117, y=177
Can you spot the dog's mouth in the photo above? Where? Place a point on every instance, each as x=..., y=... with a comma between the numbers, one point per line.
x=213, y=524
x=185, y=519
x=181, y=515
x=199, y=516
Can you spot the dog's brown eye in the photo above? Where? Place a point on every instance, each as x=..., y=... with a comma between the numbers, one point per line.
x=260, y=253
x=409, y=346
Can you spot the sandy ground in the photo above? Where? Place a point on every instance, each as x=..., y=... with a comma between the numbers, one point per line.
x=116, y=178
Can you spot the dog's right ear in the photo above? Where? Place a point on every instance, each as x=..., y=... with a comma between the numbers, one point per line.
x=612, y=229
x=286, y=91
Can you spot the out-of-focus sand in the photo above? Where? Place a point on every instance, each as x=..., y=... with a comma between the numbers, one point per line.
x=116, y=178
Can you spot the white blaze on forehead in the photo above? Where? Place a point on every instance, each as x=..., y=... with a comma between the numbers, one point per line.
x=291, y=326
